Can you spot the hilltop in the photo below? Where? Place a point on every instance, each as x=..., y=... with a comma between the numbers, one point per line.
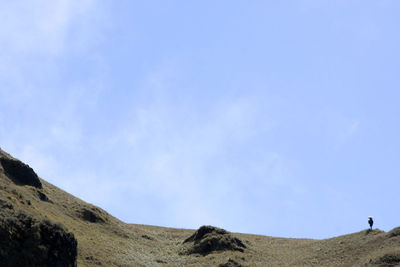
x=42, y=225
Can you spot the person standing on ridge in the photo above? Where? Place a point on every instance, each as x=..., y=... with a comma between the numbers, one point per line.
x=371, y=222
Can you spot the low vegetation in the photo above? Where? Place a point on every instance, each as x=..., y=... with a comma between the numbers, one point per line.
x=45, y=226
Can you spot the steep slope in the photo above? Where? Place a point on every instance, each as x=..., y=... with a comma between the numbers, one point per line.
x=43, y=216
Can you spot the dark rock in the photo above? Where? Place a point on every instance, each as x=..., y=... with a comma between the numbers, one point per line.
x=43, y=196
x=394, y=232
x=93, y=216
x=208, y=239
x=26, y=242
x=147, y=237
x=93, y=260
x=4, y=204
x=230, y=263
x=387, y=260
x=204, y=230
x=20, y=173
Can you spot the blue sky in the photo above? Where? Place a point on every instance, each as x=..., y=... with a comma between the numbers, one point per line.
x=278, y=118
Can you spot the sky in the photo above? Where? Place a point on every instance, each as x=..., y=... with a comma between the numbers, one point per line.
x=279, y=118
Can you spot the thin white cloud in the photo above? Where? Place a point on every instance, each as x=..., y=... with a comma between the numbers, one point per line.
x=34, y=35
x=185, y=160
x=41, y=108
x=335, y=128
x=40, y=27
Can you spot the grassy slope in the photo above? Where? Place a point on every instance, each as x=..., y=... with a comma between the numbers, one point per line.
x=115, y=243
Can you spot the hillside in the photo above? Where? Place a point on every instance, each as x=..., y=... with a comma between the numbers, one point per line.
x=44, y=226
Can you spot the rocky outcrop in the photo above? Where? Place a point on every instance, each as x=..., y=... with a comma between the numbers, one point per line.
x=394, y=232
x=386, y=260
x=92, y=214
x=19, y=172
x=208, y=239
x=27, y=242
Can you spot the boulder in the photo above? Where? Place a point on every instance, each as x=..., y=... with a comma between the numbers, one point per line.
x=91, y=214
x=208, y=239
x=19, y=172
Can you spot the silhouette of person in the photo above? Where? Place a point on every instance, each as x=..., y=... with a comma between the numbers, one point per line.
x=371, y=222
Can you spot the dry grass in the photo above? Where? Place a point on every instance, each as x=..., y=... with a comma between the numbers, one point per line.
x=106, y=241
